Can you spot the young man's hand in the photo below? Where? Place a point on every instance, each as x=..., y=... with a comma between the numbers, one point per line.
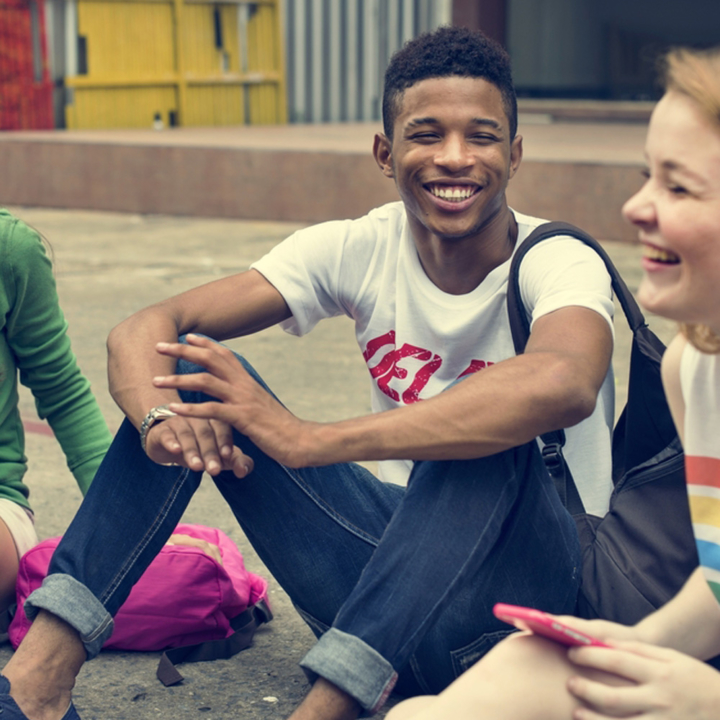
x=667, y=684
x=198, y=445
x=201, y=432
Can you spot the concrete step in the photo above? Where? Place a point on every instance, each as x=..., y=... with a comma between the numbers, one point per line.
x=576, y=171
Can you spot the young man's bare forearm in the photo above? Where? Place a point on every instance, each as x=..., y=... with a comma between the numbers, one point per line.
x=237, y=305
x=500, y=407
x=504, y=406
x=133, y=362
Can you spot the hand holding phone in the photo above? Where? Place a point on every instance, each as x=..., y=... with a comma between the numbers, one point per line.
x=541, y=623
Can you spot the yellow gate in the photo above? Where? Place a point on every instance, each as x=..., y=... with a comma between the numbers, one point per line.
x=145, y=63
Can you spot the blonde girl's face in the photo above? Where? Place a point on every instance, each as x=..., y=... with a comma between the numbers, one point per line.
x=677, y=214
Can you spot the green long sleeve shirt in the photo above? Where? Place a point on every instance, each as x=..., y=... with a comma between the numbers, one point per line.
x=34, y=346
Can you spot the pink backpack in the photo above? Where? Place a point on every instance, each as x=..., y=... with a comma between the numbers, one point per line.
x=185, y=601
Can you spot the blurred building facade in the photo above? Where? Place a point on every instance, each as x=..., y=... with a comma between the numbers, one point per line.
x=561, y=49
x=166, y=63
x=161, y=63
x=337, y=52
x=600, y=50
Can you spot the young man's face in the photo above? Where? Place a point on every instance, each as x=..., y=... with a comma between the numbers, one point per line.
x=451, y=156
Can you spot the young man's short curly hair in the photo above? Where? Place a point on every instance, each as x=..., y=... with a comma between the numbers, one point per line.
x=442, y=53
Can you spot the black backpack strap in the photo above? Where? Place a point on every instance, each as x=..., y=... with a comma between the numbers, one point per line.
x=520, y=328
x=244, y=626
x=559, y=471
x=519, y=324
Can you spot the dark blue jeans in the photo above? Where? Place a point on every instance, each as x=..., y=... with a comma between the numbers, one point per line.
x=398, y=584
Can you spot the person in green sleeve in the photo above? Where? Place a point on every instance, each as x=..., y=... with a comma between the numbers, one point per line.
x=35, y=348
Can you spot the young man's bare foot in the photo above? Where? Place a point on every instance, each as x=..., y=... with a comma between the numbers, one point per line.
x=326, y=701
x=43, y=669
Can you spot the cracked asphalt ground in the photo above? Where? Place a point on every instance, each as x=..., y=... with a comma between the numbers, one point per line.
x=107, y=267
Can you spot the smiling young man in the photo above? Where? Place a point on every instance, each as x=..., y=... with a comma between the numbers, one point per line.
x=397, y=583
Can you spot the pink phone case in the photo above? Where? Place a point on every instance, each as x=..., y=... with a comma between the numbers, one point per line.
x=543, y=624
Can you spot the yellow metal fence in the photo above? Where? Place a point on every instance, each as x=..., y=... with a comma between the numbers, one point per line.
x=174, y=63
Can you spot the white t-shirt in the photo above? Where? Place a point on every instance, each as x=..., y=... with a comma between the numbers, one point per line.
x=417, y=339
x=700, y=384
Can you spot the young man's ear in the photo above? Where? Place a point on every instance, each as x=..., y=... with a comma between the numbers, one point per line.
x=516, y=152
x=382, y=152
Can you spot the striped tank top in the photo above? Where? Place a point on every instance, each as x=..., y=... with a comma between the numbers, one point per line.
x=700, y=382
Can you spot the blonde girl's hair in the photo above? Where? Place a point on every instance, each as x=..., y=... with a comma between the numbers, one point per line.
x=696, y=73
x=701, y=337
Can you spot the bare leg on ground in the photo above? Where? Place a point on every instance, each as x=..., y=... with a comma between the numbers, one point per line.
x=522, y=678
x=9, y=564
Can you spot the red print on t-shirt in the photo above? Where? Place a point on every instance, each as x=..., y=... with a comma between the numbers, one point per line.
x=474, y=366
x=388, y=368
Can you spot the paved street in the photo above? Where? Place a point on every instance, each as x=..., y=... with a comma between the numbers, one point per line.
x=108, y=266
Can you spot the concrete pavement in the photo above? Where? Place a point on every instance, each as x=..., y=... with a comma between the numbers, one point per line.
x=108, y=266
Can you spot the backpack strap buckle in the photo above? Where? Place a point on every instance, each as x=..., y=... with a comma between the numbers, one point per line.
x=552, y=457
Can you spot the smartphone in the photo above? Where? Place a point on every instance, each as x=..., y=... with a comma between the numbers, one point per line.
x=541, y=623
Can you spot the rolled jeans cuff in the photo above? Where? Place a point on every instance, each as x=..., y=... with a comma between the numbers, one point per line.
x=66, y=598
x=353, y=666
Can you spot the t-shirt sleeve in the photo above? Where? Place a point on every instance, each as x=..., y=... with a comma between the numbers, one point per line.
x=319, y=272
x=37, y=333
x=564, y=272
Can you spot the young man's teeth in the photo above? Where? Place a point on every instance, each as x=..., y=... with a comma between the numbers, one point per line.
x=663, y=256
x=451, y=193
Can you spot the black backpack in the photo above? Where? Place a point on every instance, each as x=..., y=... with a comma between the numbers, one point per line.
x=639, y=555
